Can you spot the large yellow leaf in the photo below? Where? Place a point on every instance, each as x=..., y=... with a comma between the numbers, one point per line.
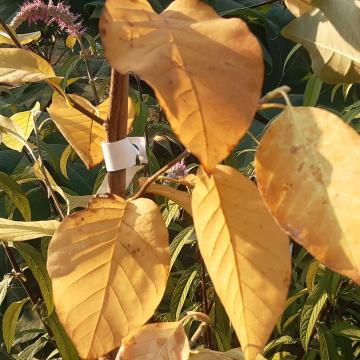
x=207, y=71
x=246, y=254
x=82, y=133
x=22, y=124
x=299, y=7
x=160, y=341
x=26, y=230
x=19, y=65
x=308, y=179
x=182, y=198
x=332, y=38
x=23, y=38
x=109, y=266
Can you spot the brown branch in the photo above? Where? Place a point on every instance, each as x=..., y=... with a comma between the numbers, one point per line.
x=11, y=34
x=163, y=170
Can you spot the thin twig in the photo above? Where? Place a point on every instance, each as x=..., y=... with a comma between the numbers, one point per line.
x=271, y=106
x=44, y=171
x=253, y=137
x=86, y=112
x=11, y=34
x=274, y=94
x=163, y=170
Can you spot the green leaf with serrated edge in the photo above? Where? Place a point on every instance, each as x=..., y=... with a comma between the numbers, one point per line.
x=4, y=286
x=66, y=348
x=328, y=350
x=179, y=242
x=346, y=330
x=37, y=265
x=29, y=352
x=311, y=274
x=310, y=314
x=15, y=193
x=9, y=321
x=283, y=340
x=184, y=294
x=330, y=281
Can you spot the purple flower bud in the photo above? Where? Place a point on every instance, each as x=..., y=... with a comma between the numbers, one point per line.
x=179, y=170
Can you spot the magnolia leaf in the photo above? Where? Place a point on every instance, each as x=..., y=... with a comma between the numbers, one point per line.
x=246, y=254
x=165, y=341
x=113, y=259
x=19, y=65
x=26, y=230
x=10, y=320
x=83, y=134
x=182, y=198
x=310, y=184
x=207, y=71
x=24, y=39
x=299, y=7
x=21, y=123
x=333, y=40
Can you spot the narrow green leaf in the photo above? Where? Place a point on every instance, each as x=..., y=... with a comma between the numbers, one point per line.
x=179, y=242
x=10, y=319
x=312, y=91
x=184, y=294
x=16, y=194
x=4, y=286
x=310, y=314
x=346, y=330
x=311, y=274
x=283, y=340
x=290, y=55
x=330, y=282
x=30, y=351
x=66, y=348
x=37, y=265
x=64, y=160
x=328, y=350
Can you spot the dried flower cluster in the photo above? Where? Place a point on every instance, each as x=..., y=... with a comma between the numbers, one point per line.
x=60, y=14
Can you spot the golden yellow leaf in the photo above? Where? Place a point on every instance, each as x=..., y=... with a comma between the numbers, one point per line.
x=109, y=266
x=182, y=198
x=246, y=254
x=331, y=36
x=307, y=177
x=298, y=7
x=160, y=341
x=22, y=124
x=82, y=133
x=207, y=71
x=26, y=230
x=24, y=39
x=19, y=65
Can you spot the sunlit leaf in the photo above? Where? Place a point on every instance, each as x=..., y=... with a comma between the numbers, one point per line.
x=190, y=55
x=22, y=124
x=308, y=180
x=24, y=39
x=332, y=38
x=299, y=7
x=4, y=286
x=246, y=254
x=19, y=65
x=109, y=266
x=165, y=341
x=20, y=230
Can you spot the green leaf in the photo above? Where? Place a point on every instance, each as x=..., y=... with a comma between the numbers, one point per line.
x=36, y=263
x=283, y=340
x=10, y=319
x=346, y=330
x=4, y=286
x=310, y=314
x=15, y=193
x=139, y=124
x=311, y=274
x=29, y=352
x=330, y=282
x=179, y=242
x=328, y=350
x=283, y=355
x=312, y=91
x=64, y=160
x=66, y=348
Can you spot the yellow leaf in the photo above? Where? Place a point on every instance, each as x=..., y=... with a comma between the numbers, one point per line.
x=331, y=36
x=298, y=7
x=109, y=266
x=246, y=254
x=83, y=134
x=182, y=198
x=26, y=230
x=22, y=124
x=70, y=41
x=207, y=71
x=205, y=354
x=165, y=341
x=18, y=66
x=24, y=39
x=308, y=179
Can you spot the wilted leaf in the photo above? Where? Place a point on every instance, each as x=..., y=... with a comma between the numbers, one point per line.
x=26, y=230
x=165, y=341
x=109, y=266
x=19, y=65
x=10, y=320
x=190, y=55
x=310, y=184
x=246, y=254
x=298, y=7
x=182, y=198
x=332, y=38
x=22, y=124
